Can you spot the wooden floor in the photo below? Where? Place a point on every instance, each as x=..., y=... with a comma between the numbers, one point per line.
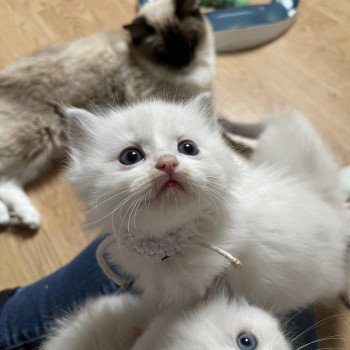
x=307, y=69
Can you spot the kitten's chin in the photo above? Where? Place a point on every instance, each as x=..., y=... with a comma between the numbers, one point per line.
x=170, y=193
x=172, y=186
x=167, y=213
x=170, y=190
x=172, y=202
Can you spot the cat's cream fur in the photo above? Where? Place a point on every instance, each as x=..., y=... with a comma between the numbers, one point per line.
x=281, y=214
x=103, y=68
x=107, y=324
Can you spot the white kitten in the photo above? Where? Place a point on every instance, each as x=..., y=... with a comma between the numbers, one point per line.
x=218, y=325
x=116, y=322
x=164, y=198
x=159, y=176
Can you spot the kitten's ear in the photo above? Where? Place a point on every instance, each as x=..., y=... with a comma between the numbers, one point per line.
x=204, y=103
x=184, y=8
x=139, y=29
x=80, y=126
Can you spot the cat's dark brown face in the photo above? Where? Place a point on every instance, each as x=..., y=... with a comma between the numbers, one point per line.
x=168, y=32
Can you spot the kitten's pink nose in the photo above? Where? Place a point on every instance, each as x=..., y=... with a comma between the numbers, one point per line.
x=167, y=163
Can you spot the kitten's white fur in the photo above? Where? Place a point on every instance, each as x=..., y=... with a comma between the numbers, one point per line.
x=293, y=218
x=102, y=324
x=107, y=323
x=281, y=215
x=113, y=191
x=213, y=325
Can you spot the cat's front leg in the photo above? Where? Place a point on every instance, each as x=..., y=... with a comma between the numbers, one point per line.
x=108, y=323
x=16, y=207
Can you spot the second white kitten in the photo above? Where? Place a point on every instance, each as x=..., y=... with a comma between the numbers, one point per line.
x=122, y=323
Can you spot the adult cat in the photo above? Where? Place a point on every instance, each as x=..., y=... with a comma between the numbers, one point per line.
x=166, y=51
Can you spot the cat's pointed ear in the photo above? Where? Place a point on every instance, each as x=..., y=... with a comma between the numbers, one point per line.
x=204, y=103
x=139, y=29
x=80, y=126
x=184, y=8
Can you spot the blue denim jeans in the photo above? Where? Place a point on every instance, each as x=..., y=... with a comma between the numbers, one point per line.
x=28, y=313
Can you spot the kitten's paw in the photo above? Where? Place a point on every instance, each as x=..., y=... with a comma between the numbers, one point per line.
x=26, y=216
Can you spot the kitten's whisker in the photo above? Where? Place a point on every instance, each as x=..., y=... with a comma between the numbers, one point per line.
x=336, y=337
x=113, y=211
x=285, y=324
x=126, y=213
x=143, y=204
x=221, y=199
x=105, y=201
x=147, y=199
x=121, y=205
x=194, y=189
x=318, y=324
x=151, y=195
x=220, y=190
x=131, y=207
x=213, y=201
x=216, y=184
x=135, y=206
x=129, y=213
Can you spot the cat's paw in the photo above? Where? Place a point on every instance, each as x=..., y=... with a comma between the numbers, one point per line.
x=16, y=208
x=26, y=216
x=4, y=215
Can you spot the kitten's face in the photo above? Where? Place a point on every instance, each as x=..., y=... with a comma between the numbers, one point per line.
x=168, y=32
x=219, y=325
x=150, y=166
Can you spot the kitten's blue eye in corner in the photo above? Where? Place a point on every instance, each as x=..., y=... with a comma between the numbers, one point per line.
x=131, y=156
x=188, y=147
x=246, y=341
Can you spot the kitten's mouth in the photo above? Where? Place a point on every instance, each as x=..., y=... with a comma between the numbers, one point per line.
x=170, y=185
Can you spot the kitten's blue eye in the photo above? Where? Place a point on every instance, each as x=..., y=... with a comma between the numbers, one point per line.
x=188, y=147
x=246, y=341
x=131, y=156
